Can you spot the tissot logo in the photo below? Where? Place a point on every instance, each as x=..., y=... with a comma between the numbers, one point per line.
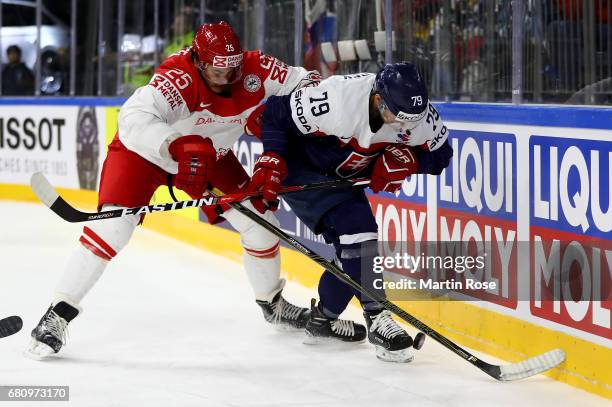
x=30, y=133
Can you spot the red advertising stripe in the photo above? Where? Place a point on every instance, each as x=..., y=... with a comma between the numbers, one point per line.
x=570, y=280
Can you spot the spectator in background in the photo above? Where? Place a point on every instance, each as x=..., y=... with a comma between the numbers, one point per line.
x=181, y=30
x=137, y=70
x=573, y=10
x=17, y=78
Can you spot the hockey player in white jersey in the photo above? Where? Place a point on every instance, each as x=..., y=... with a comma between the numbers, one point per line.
x=183, y=123
x=381, y=126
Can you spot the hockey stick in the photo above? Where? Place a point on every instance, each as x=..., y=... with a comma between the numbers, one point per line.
x=513, y=371
x=47, y=195
x=10, y=326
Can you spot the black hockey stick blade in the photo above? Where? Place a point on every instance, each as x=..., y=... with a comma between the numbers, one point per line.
x=49, y=196
x=10, y=326
x=509, y=372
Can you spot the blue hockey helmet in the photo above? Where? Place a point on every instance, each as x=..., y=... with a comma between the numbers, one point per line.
x=403, y=91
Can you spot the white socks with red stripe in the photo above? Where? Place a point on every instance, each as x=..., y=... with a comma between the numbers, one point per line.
x=82, y=271
x=264, y=276
x=261, y=257
x=96, y=244
x=102, y=240
x=99, y=243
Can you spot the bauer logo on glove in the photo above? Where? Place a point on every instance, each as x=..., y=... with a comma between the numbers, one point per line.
x=390, y=169
x=270, y=171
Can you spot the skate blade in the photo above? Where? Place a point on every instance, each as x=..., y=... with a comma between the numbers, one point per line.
x=38, y=351
x=395, y=356
x=281, y=327
x=320, y=340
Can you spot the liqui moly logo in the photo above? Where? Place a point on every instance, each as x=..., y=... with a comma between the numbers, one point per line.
x=571, y=232
x=571, y=185
x=481, y=176
x=477, y=210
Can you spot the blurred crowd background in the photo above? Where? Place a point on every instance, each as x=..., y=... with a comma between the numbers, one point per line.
x=521, y=51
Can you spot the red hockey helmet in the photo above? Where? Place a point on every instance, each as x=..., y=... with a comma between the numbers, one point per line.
x=217, y=45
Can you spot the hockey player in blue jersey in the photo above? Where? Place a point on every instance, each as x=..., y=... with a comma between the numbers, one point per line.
x=380, y=126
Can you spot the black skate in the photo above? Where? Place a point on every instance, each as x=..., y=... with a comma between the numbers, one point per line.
x=50, y=334
x=284, y=315
x=320, y=328
x=392, y=342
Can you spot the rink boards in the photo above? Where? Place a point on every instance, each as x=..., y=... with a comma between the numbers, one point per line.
x=533, y=181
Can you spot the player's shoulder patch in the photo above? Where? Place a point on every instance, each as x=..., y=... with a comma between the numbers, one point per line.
x=253, y=75
x=251, y=83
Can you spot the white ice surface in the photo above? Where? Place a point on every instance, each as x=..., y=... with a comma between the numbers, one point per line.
x=172, y=325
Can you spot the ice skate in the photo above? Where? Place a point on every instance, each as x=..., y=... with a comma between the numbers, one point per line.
x=51, y=332
x=320, y=328
x=392, y=342
x=284, y=315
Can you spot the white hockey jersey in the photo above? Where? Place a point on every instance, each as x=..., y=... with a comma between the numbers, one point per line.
x=340, y=105
x=176, y=102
